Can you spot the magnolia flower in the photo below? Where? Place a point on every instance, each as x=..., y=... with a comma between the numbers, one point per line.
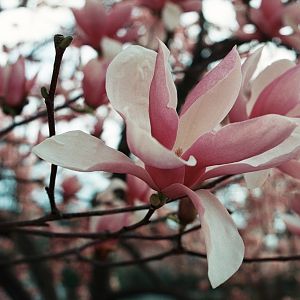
x=171, y=11
x=70, y=186
x=14, y=87
x=99, y=29
x=273, y=19
x=163, y=16
x=181, y=151
x=93, y=83
x=274, y=91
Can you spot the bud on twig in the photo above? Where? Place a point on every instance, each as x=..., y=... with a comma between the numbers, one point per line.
x=44, y=92
x=65, y=42
x=62, y=42
x=158, y=200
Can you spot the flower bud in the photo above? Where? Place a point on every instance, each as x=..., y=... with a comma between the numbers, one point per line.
x=158, y=200
x=186, y=211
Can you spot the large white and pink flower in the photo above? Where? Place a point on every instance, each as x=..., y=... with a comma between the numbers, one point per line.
x=181, y=151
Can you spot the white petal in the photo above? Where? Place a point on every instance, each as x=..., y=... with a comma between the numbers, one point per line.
x=128, y=80
x=209, y=101
x=287, y=150
x=79, y=151
x=224, y=245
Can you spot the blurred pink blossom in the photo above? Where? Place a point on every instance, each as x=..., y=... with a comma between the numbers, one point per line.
x=271, y=19
x=14, y=87
x=94, y=23
x=70, y=187
x=93, y=83
x=165, y=16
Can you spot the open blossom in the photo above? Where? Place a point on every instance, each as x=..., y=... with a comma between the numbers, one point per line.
x=181, y=151
x=170, y=11
x=274, y=91
x=97, y=27
x=14, y=87
x=272, y=18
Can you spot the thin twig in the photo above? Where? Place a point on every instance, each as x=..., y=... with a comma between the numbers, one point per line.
x=181, y=251
x=66, y=216
x=49, y=101
x=106, y=235
x=42, y=221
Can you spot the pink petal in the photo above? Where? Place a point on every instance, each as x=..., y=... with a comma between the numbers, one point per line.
x=231, y=143
x=224, y=246
x=93, y=83
x=291, y=168
x=295, y=202
x=294, y=112
x=153, y=4
x=192, y=174
x=210, y=101
x=137, y=189
x=190, y=5
x=280, y=96
x=92, y=21
x=268, y=17
x=128, y=80
x=2, y=81
x=166, y=177
x=79, y=151
x=291, y=40
x=163, y=101
x=239, y=110
x=291, y=15
x=287, y=150
x=269, y=74
x=118, y=16
x=16, y=84
x=270, y=8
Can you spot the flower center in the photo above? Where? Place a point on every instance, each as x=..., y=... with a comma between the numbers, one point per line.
x=178, y=151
